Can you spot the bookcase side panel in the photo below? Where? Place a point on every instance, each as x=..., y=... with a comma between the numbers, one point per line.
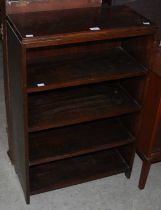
x=16, y=65
x=143, y=50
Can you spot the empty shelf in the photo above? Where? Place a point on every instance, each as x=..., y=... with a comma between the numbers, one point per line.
x=71, y=106
x=95, y=68
x=76, y=140
x=72, y=171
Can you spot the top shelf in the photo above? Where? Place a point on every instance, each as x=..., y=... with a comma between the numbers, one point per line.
x=74, y=25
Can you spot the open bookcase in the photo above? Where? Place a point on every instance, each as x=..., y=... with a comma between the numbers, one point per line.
x=77, y=81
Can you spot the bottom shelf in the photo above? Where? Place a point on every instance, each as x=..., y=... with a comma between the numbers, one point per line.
x=76, y=170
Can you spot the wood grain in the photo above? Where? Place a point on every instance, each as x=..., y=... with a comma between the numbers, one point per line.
x=115, y=22
x=76, y=140
x=75, y=70
x=79, y=104
x=76, y=170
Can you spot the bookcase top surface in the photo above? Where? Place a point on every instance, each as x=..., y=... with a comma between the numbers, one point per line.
x=97, y=22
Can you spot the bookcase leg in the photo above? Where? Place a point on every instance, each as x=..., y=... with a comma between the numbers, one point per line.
x=10, y=156
x=27, y=199
x=128, y=174
x=144, y=173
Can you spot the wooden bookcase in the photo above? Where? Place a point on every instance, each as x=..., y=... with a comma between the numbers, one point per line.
x=77, y=81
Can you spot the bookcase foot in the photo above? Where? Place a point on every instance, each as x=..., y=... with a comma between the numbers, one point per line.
x=10, y=156
x=128, y=174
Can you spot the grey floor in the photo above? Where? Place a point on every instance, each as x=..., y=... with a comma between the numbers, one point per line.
x=112, y=193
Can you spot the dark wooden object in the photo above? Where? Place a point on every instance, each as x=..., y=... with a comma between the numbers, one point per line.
x=99, y=67
x=59, y=144
x=149, y=145
x=76, y=170
x=82, y=104
x=77, y=95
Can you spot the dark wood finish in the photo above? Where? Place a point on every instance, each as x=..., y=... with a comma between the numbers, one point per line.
x=59, y=144
x=78, y=71
x=76, y=170
x=157, y=143
x=18, y=110
x=51, y=124
x=81, y=104
x=136, y=47
x=114, y=22
x=154, y=96
x=128, y=152
x=138, y=87
x=70, y=51
x=149, y=144
x=157, y=63
x=144, y=173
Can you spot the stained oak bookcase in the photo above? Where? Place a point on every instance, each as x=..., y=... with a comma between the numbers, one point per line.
x=78, y=80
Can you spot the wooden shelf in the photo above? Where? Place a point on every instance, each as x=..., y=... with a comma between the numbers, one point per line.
x=92, y=69
x=115, y=22
x=76, y=170
x=76, y=140
x=80, y=104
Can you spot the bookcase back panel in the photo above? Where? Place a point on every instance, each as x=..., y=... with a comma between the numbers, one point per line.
x=69, y=51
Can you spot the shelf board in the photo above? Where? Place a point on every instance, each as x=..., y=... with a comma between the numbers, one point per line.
x=69, y=106
x=96, y=68
x=76, y=170
x=76, y=140
x=115, y=22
